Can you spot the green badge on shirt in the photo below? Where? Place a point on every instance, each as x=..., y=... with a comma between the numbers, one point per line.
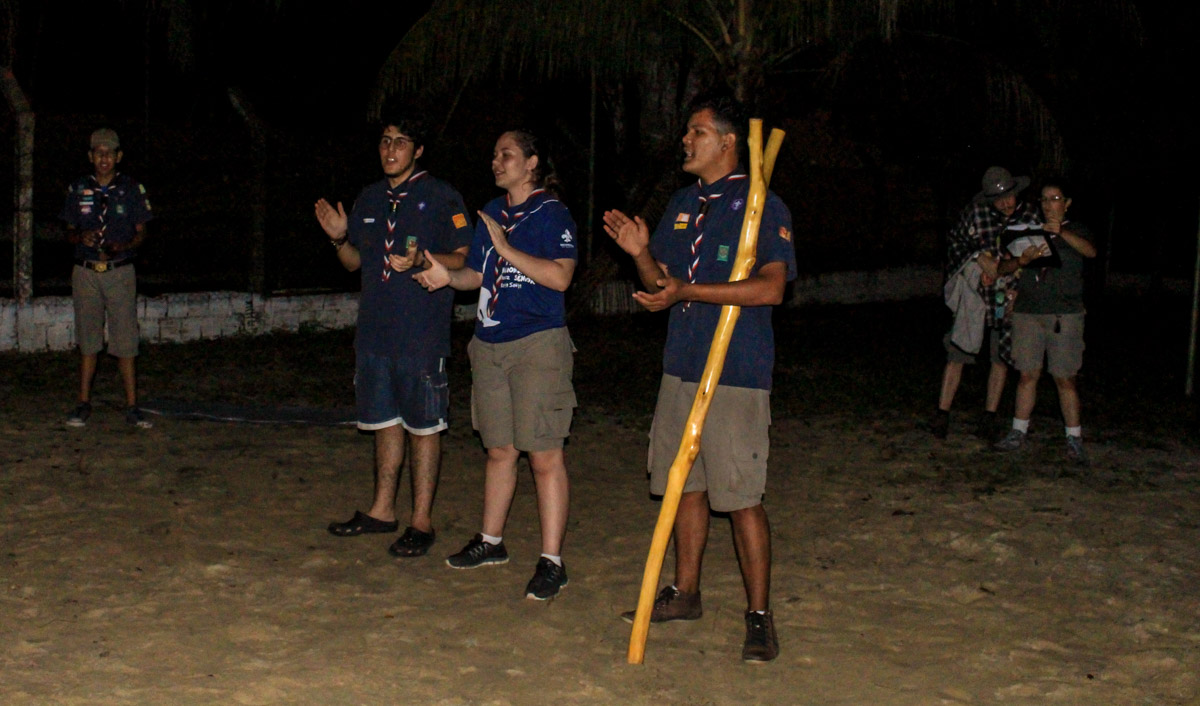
x=723, y=253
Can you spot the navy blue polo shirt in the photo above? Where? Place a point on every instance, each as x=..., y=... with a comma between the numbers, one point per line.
x=542, y=227
x=751, y=355
x=119, y=207
x=397, y=317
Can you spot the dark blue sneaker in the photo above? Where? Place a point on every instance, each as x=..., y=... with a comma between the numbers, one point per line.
x=80, y=416
x=547, y=579
x=477, y=553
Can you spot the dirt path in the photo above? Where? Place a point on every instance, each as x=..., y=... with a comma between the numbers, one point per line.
x=190, y=565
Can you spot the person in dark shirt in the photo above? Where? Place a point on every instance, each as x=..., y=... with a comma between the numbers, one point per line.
x=403, y=335
x=685, y=267
x=106, y=215
x=1048, y=318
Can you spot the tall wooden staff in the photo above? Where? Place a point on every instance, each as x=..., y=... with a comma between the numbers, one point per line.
x=689, y=447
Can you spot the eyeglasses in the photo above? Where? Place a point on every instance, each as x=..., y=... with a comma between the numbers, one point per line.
x=400, y=143
x=1052, y=199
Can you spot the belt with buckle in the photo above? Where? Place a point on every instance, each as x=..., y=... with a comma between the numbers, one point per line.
x=103, y=265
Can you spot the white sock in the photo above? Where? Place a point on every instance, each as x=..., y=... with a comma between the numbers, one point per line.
x=490, y=539
x=1021, y=425
x=1075, y=431
x=553, y=557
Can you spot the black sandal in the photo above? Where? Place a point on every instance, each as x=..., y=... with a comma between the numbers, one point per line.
x=362, y=524
x=412, y=543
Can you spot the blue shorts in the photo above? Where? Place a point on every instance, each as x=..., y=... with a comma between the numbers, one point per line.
x=391, y=391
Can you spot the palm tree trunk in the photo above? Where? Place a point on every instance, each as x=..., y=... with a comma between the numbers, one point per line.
x=23, y=192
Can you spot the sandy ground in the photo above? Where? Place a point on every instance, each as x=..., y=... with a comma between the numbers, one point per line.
x=189, y=564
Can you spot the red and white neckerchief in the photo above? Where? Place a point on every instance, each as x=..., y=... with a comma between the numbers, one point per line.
x=394, y=198
x=705, y=203
x=102, y=203
x=505, y=218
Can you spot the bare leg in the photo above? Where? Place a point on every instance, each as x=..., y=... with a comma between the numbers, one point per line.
x=87, y=374
x=1027, y=393
x=128, y=368
x=995, y=386
x=553, y=496
x=1068, y=400
x=951, y=377
x=691, y=537
x=752, y=540
x=425, y=459
x=389, y=454
x=499, y=485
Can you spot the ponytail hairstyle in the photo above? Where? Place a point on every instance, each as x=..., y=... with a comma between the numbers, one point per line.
x=544, y=176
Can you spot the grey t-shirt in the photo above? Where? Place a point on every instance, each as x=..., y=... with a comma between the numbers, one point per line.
x=1055, y=290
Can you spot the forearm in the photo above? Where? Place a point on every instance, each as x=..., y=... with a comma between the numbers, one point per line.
x=765, y=288
x=465, y=279
x=553, y=274
x=349, y=256
x=1008, y=266
x=648, y=270
x=451, y=260
x=1081, y=245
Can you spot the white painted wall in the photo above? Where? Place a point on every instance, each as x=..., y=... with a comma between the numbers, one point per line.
x=47, y=323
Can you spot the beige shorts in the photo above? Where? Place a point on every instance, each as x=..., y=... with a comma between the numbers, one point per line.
x=521, y=391
x=1056, y=339
x=732, y=463
x=105, y=296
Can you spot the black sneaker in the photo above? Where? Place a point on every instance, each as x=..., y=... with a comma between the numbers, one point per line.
x=80, y=416
x=477, y=553
x=134, y=417
x=762, y=645
x=671, y=604
x=548, y=577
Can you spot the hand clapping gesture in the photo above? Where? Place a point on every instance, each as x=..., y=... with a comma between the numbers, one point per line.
x=333, y=221
x=434, y=278
x=631, y=234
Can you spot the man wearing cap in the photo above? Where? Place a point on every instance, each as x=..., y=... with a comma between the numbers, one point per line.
x=978, y=291
x=106, y=215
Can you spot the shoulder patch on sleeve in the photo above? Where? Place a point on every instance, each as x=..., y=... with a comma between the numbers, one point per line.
x=460, y=220
x=785, y=234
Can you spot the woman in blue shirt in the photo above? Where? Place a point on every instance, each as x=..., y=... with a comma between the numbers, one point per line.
x=522, y=259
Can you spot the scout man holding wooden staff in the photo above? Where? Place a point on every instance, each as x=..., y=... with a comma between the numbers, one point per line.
x=685, y=269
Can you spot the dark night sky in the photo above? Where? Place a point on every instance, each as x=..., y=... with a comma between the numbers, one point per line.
x=310, y=66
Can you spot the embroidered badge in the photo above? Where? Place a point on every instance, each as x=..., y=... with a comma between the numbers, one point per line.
x=681, y=226
x=410, y=243
x=683, y=218
x=737, y=204
x=785, y=234
x=460, y=221
x=566, y=236
x=87, y=192
x=85, y=209
x=421, y=206
x=368, y=220
x=120, y=209
x=723, y=253
x=141, y=189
